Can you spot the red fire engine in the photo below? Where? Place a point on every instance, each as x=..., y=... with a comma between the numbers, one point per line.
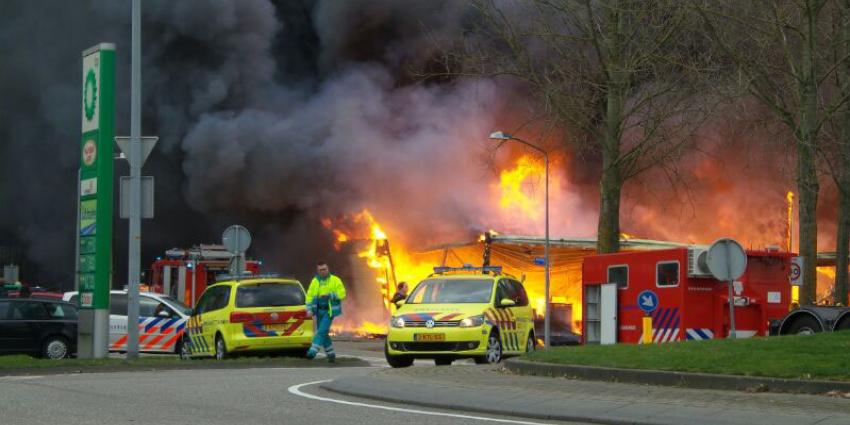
x=185, y=273
x=684, y=301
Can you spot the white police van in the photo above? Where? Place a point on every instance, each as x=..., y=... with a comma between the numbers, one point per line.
x=162, y=322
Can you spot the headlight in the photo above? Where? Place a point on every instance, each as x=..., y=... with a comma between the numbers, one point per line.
x=472, y=322
x=397, y=322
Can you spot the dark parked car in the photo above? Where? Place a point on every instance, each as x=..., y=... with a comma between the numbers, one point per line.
x=40, y=327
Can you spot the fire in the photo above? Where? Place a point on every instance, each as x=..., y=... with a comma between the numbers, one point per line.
x=517, y=187
x=389, y=265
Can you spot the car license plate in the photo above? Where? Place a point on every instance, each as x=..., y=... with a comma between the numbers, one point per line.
x=280, y=327
x=429, y=337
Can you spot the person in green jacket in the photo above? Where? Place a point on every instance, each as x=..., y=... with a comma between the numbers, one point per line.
x=324, y=303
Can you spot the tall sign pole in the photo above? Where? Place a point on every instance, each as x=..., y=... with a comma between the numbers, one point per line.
x=94, y=262
x=135, y=237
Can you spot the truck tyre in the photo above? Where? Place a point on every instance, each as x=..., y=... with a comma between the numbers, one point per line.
x=804, y=325
x=493, y=354
x=55, y=348
x=397, y=361
x=844, y=325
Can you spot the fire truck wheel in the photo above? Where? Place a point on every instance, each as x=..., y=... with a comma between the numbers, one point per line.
x=494, y=350
x=844, y=325
x=397, y=361
x=220, y=348
x=55, y=347
x=182, y=349
x=530, y=344
x=443, y=361
x=805, y=325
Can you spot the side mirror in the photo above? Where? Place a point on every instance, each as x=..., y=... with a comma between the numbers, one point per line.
x=399, y=303
x=164, y=314
x=507, y=302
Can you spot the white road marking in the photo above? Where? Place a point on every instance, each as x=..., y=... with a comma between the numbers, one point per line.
x=296, y=390
x=20, y=378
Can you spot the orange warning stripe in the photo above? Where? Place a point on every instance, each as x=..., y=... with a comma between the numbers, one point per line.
x=153, y=342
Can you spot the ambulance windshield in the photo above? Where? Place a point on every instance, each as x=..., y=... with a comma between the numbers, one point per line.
x=452, y=291
x=269, y=295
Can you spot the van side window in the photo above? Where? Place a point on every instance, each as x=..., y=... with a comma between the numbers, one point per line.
x=619, y=275
x=521, y=296
x=667, y=273
x=505, y=290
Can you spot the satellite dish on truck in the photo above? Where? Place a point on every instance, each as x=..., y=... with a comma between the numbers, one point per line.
x=727, y=261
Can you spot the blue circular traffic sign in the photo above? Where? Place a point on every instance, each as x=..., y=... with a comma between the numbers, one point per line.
x=647, y=301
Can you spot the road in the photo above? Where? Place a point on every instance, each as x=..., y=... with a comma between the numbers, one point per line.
x=210, y=397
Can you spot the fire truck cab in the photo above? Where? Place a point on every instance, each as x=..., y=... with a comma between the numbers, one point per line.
x=674, y=288
x=185, y=273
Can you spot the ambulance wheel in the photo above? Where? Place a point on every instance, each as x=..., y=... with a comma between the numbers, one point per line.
x=55, y=347
x=805, y=325
x=182, y=349
x=531, y=344
x=493, y=354
x=443, y=361
x=397, y=361
x=220, y=348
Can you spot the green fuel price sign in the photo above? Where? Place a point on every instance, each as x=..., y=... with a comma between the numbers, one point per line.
x=96, y=184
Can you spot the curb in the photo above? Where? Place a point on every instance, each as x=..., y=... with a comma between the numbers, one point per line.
x=65, y=370
x=676, y=379
x=334, y=387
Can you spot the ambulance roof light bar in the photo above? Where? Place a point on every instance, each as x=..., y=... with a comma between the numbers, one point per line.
x=467, y=268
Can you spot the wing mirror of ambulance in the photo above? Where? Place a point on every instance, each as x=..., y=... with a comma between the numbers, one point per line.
x=399, y=303
x=507, y=302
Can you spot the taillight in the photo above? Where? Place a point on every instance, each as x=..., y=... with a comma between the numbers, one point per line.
x=241, y=317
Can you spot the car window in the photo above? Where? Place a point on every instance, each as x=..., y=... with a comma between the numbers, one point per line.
x=178, y=305
x=269, y=295
x=118, y=304
x=452, y=291
x=4, y=310
x=28, y=311
x=149, y=307
x=214, y=299
x=506, y=290
x=73, y=300
x=521, y=299
x=62, y=311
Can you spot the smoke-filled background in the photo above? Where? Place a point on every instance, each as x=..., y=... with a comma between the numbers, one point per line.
x=277, y=114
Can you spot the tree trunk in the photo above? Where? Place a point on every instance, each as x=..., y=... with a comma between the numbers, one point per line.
x=608, y=231
x=843, y=239
x=807, y=177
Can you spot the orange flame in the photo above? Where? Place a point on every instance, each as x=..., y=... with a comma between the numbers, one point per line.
x=517, y=187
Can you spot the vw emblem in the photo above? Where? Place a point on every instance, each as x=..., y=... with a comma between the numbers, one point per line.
x=274, y=316
x=429, y=324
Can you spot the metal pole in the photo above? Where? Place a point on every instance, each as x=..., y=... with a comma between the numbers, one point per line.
x=135, y=236
x=732, y=334
x=546, y=254
x=77, y=246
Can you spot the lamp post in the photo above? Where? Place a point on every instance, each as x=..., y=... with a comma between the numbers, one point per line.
x=504, y=137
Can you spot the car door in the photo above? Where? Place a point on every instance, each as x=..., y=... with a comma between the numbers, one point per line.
x=5, y=328
x=27, y=321
x=215, y=314
x=522, y=313
x=505, y=313
x=159, y=321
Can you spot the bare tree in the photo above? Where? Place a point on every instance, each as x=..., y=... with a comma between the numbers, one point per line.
x=776, y=49
x=619, y=78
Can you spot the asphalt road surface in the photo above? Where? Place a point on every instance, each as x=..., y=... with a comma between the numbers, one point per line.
x=243, y=396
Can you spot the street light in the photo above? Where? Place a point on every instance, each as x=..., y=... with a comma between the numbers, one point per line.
x=504, y=137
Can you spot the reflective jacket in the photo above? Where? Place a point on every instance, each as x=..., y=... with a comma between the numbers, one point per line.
x=329, y=290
